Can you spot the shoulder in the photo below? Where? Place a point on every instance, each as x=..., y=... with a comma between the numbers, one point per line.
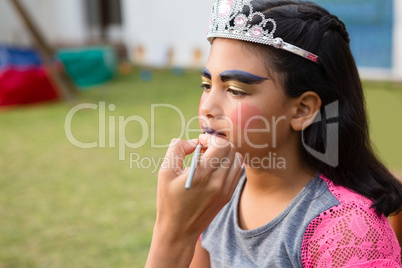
x=349, y=234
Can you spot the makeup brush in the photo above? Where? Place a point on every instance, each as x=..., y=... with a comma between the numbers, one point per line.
x=193, y=167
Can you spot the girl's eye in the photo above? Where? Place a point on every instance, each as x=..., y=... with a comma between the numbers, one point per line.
x=206, y=87
x=236, y=92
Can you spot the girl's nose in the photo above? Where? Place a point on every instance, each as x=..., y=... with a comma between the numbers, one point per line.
x=211, y=104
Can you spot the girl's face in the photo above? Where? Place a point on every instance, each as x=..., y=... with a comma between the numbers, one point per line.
x=240, y=102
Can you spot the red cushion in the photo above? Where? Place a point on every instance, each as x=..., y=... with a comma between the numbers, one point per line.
x=25, y=86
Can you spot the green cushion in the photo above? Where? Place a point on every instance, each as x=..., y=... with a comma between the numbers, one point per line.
x=89, y=65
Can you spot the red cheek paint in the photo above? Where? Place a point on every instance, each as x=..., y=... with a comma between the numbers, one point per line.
x=243, y=112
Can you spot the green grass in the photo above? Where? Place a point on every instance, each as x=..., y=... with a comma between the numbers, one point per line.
x=384, y=105
x=62, y=206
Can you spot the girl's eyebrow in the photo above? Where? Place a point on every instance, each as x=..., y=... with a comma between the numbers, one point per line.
x=206, y=73
x=241, y=76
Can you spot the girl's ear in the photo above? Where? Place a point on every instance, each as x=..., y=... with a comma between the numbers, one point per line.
x=305, y=110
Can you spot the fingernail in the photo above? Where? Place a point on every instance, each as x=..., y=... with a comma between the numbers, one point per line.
x=203, y=137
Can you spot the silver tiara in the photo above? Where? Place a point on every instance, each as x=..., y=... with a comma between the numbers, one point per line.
x=228, y=21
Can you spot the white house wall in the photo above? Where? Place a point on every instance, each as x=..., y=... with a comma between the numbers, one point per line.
x=159, y=24
x=58, y=20
x=71, y=21
x=12, y=30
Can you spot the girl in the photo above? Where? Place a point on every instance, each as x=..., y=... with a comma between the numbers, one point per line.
x=282, y=95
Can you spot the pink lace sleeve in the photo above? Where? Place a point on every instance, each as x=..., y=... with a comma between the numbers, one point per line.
x=350, y=235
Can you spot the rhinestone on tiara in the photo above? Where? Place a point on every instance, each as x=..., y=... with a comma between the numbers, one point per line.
x=228, y=21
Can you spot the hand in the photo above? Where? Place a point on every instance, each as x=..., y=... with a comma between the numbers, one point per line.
x=182, y=215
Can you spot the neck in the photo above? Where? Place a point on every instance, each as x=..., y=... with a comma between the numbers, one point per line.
x=276, y=182
x=287, y=179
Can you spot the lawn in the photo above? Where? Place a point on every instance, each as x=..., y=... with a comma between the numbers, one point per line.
x=64, y=206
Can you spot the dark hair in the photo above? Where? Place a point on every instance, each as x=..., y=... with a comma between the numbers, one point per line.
x=335, y=78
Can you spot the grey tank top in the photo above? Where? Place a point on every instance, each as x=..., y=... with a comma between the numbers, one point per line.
x=276, y=244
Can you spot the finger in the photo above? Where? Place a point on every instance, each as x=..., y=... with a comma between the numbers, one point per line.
x=177, y=151
x=216, y=146
x=203, y=139
x=213, y=170
x=208, y=140
x=217, y=159
x=212, y=154
x=182, y=147
x=226, y=165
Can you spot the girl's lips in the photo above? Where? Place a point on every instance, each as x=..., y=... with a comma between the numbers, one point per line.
x=211, y=131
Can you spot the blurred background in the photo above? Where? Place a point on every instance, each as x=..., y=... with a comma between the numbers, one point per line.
x=65, y=206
